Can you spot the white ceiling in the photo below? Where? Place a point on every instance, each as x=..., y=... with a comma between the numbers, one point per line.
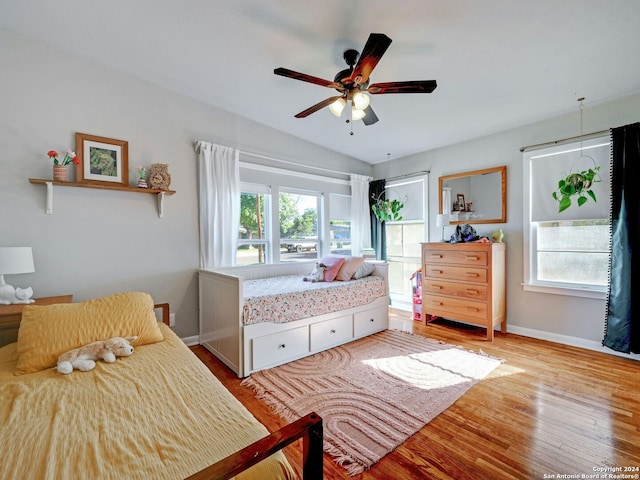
x=499, y=64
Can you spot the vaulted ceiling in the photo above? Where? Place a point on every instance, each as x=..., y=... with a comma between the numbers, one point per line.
x=499, y=64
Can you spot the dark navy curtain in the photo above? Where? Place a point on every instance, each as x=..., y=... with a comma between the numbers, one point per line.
x=622, y=325
x=378, y=235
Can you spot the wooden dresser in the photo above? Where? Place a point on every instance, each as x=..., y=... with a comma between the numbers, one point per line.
x=10, y=316
x=466, y=282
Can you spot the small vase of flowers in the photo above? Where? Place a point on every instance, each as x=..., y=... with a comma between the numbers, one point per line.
x=60, y=166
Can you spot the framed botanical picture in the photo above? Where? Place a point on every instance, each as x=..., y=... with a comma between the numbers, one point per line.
x=461, y=204
x=102, y=160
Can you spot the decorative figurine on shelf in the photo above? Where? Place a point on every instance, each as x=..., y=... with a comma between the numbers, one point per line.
x=142, y=182
x=159, y=176
x=497, y=235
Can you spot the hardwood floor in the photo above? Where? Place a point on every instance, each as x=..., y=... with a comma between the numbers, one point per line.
x=549, y=409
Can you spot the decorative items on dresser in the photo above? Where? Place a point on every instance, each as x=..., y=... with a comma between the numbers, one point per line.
x=10, y=316
x=466, y=282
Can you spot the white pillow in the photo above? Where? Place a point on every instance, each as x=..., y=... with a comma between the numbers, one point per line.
x=364, y=270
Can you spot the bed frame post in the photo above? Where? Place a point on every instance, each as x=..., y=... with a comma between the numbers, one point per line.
x=312, y=456
x=307, y=428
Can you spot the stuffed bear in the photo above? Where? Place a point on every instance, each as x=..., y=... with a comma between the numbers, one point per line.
x=84, y=358
x=317, y=274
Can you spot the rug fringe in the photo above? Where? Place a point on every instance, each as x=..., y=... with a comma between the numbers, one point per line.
x=341, y=458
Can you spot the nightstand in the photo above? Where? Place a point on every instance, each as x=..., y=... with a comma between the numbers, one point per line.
x=10, y=316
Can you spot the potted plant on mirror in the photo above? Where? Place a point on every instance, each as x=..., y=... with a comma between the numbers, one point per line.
x=580, y=184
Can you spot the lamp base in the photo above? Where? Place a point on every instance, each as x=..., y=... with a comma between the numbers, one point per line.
x=10, y=295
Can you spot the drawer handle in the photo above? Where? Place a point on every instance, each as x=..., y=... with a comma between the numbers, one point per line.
x=470, y=274
x=332, y=331
x=371, y=320
x=437, y=271
x=435, y=255
x=437, y=287
x=474, y=292
x=282, y=345
x=472, y=309
x=471, y=257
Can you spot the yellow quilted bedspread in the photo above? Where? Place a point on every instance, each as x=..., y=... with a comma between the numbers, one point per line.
x=158, y=414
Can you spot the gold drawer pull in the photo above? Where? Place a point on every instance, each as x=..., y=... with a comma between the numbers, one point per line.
x=436, y=271
x=471, y=257
x=435, y=255
x=472, y=309
x=470, y=274
x=437, y=287
x=473, y=292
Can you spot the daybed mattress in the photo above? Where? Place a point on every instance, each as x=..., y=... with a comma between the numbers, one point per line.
x=159, y=413
x=288, y=298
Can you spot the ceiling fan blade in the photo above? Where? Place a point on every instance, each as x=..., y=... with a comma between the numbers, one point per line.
x=371, y=54
x=414, y=86
x=318, y=106
x=369, y=116
x=285, y=72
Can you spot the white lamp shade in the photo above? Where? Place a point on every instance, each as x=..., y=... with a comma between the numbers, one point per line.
x=357, y=114
x=361, y=100
x=337, y=106
x=442, y=220
x=16, y=260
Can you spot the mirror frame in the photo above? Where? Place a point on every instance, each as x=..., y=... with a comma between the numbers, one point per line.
x=503, y=182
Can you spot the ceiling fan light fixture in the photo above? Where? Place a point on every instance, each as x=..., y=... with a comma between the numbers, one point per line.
x=361, y=100
x=357, y=114
x=337, y=106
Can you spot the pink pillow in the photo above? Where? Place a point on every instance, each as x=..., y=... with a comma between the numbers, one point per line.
x=348, y=268
x=333, y=267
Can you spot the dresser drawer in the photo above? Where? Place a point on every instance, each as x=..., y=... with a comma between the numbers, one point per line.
x=370, y=321
x=460, y=257
x=454, y=307
x=331, y=332
x=450, y=289
x=465, y=274
x=279, y=347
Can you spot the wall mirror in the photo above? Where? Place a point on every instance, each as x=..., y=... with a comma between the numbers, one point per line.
x=475, y=197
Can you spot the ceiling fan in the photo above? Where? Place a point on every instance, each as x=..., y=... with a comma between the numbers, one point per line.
x=353, y=82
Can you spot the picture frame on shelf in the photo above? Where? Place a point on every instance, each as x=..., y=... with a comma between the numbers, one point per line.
x=461, y=203
x=102, y=160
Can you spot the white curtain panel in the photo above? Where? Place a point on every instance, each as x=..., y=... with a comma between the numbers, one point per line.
x=219, y=200
x=360, y=216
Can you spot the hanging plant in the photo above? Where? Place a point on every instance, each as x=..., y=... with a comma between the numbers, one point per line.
x=577, y=184
x=387, y=210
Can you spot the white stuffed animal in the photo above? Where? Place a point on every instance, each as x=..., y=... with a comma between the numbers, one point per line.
x=317, y=274
x=84, y=358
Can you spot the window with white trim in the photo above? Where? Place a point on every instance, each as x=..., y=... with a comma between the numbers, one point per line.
x=340, y=224
x=566, y=249
x=253, y=233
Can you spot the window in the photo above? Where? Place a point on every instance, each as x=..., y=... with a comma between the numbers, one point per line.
x=253, y=239
x=566, y=251
x=404, y=237
x=340, y=224
x=298, y=215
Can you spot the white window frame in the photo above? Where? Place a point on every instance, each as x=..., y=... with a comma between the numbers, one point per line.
x=530, y=235
x=267, y=241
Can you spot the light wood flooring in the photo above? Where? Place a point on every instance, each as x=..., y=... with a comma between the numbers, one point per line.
x=549, y=410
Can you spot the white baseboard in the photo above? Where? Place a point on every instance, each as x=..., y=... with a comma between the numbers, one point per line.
x=568, y=340
x=191, y=341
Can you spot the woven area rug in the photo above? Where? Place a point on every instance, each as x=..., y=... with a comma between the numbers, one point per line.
x=373, y=393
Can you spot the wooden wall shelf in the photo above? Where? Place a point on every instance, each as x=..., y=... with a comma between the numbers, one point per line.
x=50, y=183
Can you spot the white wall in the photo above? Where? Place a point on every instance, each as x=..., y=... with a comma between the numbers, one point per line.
x=99, y=242
x=568, y=319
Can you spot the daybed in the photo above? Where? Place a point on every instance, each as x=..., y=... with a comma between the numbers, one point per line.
x=158, y=413
x=250, y=329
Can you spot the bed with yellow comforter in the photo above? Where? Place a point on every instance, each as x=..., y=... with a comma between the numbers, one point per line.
x=157, y=414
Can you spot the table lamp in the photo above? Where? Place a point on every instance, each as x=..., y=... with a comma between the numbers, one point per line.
x=442, y=220
x=15, y=260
